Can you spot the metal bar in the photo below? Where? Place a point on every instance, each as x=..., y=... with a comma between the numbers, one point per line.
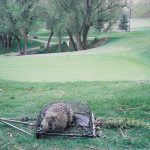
x=93, y=126
x=71, y=135
x=17, y=128
x=16, y=121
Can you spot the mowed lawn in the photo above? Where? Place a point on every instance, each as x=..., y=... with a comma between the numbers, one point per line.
x=126, y=100
x=113, y=79
x=124, y=57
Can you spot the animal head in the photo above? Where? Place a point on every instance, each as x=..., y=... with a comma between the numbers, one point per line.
x=49, y=123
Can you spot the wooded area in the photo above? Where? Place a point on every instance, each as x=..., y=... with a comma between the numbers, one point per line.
x=61, y=17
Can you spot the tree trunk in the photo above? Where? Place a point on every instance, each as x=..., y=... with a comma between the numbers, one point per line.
x=19, y=45
x=10, y=41
x=85, y=34
x=13, y=41
x=72, y=41
x=109, y=27
x=25, y=45
x=4, y=43
x=7, y=43
x=78, y=42
x=59, y=43
x=49, y=40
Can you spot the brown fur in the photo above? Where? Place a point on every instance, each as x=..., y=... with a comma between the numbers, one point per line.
x=56, y=118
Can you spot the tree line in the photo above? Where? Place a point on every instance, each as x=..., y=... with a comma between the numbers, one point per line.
x=73, y=18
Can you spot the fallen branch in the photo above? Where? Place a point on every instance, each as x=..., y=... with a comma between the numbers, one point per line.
x=123, y=135
x=16, y=121
x=121, y=122
x=129, y=108
x=70, y=135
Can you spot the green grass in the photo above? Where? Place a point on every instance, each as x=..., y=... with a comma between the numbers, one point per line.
x=126, y=56
x=54, y=39
x=73, y=68
x=114, y=80
x=40, y=33
x=106, y=99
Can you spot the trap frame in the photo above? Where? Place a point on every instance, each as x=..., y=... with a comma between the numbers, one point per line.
x=83, y=124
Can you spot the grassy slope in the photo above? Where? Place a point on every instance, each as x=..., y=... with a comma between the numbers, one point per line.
x=124, y=57
x=40, y=33
x=107, y=99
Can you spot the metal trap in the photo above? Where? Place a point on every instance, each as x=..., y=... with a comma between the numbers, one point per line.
x=82, y=125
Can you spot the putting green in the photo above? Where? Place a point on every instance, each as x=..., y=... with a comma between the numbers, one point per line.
x=72, y=68
x=124, y=57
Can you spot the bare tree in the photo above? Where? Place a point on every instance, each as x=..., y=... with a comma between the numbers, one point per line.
x=83, y=14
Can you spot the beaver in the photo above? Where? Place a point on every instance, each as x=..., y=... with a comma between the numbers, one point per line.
x=57, y=118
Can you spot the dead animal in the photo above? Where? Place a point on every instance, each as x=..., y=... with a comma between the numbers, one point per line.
x=56, y=118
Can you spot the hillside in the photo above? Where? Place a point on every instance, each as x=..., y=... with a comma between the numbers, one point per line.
x=124, y=57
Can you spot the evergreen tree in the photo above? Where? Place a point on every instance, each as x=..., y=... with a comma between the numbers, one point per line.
x=124, y=23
